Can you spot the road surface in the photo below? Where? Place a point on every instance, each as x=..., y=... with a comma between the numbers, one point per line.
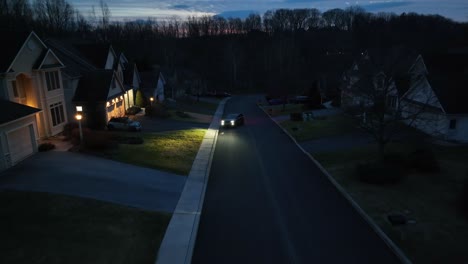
x=267, y=202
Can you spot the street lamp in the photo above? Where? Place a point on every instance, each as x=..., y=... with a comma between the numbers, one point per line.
x=151, y=99
x=79, y=116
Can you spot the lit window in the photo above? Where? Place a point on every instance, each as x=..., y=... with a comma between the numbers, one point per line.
x=57, y=114
x=52, y=80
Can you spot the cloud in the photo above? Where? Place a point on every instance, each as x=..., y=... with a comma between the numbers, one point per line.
x=181, y=6
x=237, y=13
x=382, y=5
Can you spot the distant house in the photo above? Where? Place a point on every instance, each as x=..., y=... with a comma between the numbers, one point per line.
x=429, y=93
x=95, y=79
x=32, y=96
x=153, y=84
x=444, y=79
x=381, y=70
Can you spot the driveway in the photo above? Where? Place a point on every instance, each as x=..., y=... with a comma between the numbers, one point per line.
x=97, y=178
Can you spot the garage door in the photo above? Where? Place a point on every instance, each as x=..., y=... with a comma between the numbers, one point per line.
x=20, y=144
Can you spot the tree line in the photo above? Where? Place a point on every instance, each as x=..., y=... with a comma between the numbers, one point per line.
x=280, y=49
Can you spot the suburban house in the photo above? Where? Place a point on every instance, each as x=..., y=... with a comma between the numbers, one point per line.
x=32, y=96
x=132, y=81
x=94, y=79
x=153, y=84
x=442, y=79
x=429, y=93
x=101, y=95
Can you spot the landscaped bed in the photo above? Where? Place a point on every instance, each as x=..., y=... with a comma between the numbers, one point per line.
x=439, y=233
x=51, y=228
x=173, y=151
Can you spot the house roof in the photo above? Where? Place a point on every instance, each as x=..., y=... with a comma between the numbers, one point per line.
x=129, y=74
x=448, y=77
x=94, y=86
x=149, y=81
x=96, y=53
x=10, y=111
x=74, y=62
x=11, y=45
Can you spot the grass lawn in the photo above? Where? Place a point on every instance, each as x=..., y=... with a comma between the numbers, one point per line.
x=173, y=151
x=440, y=234
x=317, y=128
x=51, y=228
x=278, y=109
x=196, y=107
x=191, y=117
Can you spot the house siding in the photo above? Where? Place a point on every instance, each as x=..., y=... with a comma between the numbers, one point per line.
x=460, y=133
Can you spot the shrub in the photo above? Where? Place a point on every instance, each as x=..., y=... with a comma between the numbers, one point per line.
x=296, y=116
x=45, y=147
x=133, y=110
x=379, y=172
x=423, y=160
x=140, y=99
x=396, y=160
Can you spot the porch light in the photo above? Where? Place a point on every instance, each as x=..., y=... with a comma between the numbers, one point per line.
x=79, y=116
x=121, y=97
x=108, y=104
x=113, y=101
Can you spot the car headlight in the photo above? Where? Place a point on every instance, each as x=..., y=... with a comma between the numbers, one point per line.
x=222, y=122
x=232, y=122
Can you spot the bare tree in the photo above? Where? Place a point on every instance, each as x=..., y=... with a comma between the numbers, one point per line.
x=106, y=14
x=55, y=15
x=383, y=108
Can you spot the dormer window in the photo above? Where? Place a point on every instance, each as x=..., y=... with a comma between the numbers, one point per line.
x=52, y=80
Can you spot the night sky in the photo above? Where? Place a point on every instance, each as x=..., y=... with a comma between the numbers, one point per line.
x=160, y=9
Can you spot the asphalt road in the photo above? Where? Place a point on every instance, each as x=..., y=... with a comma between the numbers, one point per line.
x=266, y=202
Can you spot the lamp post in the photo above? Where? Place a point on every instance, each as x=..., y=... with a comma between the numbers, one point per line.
x=79, y=116
x=151, y=99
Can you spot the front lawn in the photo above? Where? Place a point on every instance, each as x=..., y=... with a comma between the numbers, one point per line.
x=275, y=110
x=194, y=106
x=52, y=228
x=324, y=127
x=440, y=234
x=173, y=151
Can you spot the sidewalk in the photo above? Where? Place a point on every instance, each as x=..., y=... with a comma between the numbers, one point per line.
x=179, y=241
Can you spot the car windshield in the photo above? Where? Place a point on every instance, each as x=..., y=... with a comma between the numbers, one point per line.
x=231, y=116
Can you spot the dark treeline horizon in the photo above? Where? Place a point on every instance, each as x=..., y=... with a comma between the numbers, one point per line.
x=283, y=49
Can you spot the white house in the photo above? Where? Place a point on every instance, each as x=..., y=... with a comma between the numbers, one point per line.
x=153, y=85
x=32, y=94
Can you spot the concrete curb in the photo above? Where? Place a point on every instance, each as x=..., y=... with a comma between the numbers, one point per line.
x=181, y=233
x=393, y=247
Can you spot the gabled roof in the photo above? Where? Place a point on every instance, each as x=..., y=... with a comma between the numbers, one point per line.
x=94, y=86
x=149, y=81
x=129, y=74
x=40, y=62
x=96, y=53
x=12, y=42
x=75, y=63
x=10, y=111
x=448, y=77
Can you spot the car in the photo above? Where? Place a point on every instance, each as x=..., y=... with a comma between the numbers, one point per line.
x=232, y=120
x=123, y=123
